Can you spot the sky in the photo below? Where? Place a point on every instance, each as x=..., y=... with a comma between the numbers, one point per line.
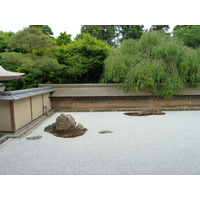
x=62, y=15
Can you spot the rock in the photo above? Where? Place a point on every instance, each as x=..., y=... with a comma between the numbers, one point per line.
x=79, y=126
x=65, y=122
x=105, y=131
x=153, y=111
x=65, y=126
x=49, y=128
x=34, y=137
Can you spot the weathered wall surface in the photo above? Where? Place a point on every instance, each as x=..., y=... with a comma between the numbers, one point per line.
x=36, y=106
x=18, y=108
x=126, y=103
x=22, y=112
x=5, y=122
x=93, y=97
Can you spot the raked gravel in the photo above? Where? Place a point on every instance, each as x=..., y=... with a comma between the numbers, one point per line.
x=158, y=145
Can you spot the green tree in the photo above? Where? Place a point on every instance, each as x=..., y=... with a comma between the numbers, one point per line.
x=190, y=35
x=31, y=39
x=38, y=69
x=83, y=60
x=156, y=62
x=102, y=32
x=129, y=32
x=63, y=39
x=4, y=40
x=45, y=29
x=178, y=27
x=160, y=27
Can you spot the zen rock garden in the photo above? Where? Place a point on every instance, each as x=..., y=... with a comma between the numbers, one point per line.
x=66, y=126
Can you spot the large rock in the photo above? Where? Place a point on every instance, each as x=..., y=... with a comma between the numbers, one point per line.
x=152, y=111
x=65, y=122
x=65, y=126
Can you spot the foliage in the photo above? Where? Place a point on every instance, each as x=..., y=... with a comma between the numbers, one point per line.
x=129, y=32
x=190, y=35
x=113, y=34
x=178, y=27
x=165, y=28
x=63, y=39
x=156, y=62
x=4, y=40
x=38, y=69
x=31, y=39
x=83, y=60
x=101, y=32
x=45, y=29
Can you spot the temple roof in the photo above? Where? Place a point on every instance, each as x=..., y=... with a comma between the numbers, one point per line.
x=7, y=75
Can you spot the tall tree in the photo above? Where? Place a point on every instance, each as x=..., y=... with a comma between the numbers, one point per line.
x=160, y=27
x=178, y=27
x=129, y=32
x=38, y=69
x=45, y=29
x=190, y=35
x=63, y=39
x=83, y=59
x=5, y=40
x=31, y=39
x=157, y=63
x=102, y=32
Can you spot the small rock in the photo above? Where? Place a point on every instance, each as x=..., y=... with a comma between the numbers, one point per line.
x=34, y=137
x=79, y=126
x=105, y=131
x=153, y=111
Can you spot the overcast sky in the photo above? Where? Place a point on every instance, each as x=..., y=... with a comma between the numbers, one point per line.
x=62, y=15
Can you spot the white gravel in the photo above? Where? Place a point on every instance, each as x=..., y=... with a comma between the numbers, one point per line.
x=166, y=144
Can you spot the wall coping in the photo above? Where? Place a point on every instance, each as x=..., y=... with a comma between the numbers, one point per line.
x=107, y=90
x=83, y=85
x=21, y=94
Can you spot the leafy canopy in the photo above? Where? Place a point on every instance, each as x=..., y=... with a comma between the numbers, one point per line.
x=113, y=35
x=83, y=59
x=38, y=69
x=63, y=39
x=4, y=40
x=156, y=62
x=190, y=35
x=31, y=39
x=45, y=29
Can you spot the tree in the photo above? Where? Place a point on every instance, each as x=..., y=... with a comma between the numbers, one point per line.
x=38, y=69
x=31, y=39
x=83, y=60
x=4, y=40
x=178, y=27
x=129, y=32
x=63, y=39
x=156, y=62
x=102, y=32
x=45, y=29
x=159, y=27
x=190, y=35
